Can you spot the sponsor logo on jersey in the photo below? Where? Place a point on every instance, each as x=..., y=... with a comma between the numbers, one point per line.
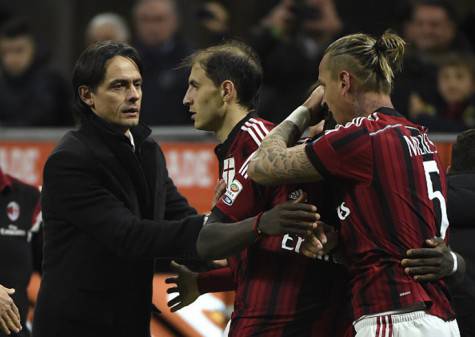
x=13, y=211
x=12, y=230
x=232, y=192
x=234, y=187
x=343, y=211
x=292, y=242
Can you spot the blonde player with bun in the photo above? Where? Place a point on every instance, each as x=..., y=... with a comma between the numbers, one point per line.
x=388, y=181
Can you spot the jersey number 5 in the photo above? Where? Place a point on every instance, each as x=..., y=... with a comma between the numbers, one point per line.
x=434, y=190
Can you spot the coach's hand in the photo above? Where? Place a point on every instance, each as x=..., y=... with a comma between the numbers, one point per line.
x=292, y=217
x=9, y=314
x=186, y=285
x=429, y=264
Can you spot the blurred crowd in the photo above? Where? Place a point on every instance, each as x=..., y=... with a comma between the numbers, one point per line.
x=436, y=87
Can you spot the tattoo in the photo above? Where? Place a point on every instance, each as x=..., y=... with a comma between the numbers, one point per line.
x=274, y=163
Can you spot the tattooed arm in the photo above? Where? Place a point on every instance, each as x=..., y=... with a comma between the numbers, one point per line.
x=277, y=163
x=274, y=163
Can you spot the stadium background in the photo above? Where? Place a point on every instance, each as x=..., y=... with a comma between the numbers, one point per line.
x=60, y=26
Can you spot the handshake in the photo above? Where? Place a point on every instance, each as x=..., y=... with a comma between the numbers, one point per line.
x=302, y=219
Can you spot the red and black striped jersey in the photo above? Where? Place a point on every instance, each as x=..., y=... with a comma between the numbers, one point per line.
x=391, y=189
x=20, y=237
x=279, y=292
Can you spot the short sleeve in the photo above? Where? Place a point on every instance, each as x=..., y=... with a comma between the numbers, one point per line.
x=244, y=198
x=345, y=153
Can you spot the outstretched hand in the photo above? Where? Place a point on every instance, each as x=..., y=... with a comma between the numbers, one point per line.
x=9, y=314
x=429, y=264
x=293, y=217
x=186, y=285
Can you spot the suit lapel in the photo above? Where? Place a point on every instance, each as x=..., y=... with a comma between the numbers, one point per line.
x=113, y=164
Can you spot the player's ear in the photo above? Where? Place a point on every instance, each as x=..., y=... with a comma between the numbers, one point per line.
x=345, y=81
x=85, y=93
x=228, y=91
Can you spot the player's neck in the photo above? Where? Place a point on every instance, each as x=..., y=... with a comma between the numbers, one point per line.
x=368, y=102
x=232, y=117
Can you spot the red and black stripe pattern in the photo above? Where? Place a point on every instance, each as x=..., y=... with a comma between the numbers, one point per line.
x=392, y=197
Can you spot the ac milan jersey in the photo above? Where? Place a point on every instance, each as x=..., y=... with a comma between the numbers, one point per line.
x=20, y=242
x=391, y=188
x=279, y=292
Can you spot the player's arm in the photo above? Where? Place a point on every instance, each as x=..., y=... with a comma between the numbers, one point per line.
x=434, y=262
x=277, y=161
x=219, y=239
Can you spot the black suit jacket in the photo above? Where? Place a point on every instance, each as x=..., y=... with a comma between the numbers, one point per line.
x=461, y=213
x=108, y=212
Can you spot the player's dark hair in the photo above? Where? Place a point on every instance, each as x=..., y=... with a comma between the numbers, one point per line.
x=234, y=61
x=463, y=153
x=16, y=27
x=90, y=68
x=373, y=62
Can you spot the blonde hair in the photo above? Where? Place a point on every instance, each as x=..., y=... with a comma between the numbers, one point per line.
x=373, y=62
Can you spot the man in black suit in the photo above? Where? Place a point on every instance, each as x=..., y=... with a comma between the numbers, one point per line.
x=109, y=208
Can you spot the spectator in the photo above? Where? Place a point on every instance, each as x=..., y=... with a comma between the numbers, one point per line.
x=454, y=110
x=289, y=41
x=107, y=26
x=461, y=198
x=355, y=15
x=214, y=23
x=21, y=238
x=431, y=32
x=162, y=49
x=31, y=93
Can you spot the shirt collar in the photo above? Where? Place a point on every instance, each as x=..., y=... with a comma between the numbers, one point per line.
x=222, y=149
x=129, y=135
x=388, y=111
x=139, y=133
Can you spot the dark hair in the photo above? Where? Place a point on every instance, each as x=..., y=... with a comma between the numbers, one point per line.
x=463, y=152
x=16, y=27
x=234, y=61
x=90, y=68
x=446, y=6
x=466, y=61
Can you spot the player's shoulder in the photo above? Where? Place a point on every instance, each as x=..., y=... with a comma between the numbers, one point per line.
x=371, y=124
x=23, y=187
x=253, y=131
